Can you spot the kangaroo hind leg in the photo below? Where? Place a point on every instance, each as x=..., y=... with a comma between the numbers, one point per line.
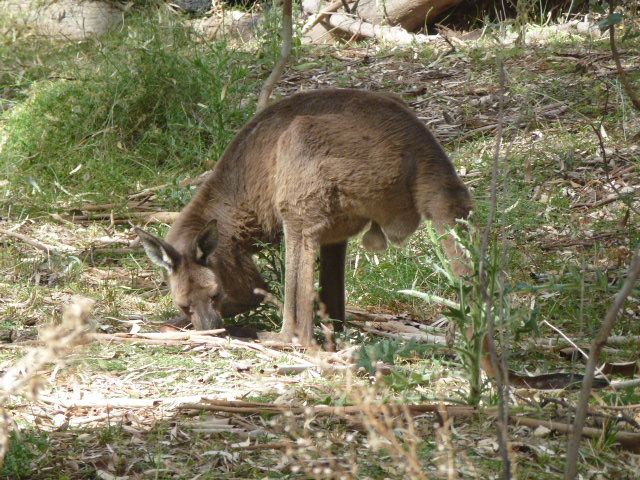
x=300, y=254
x=332, y=259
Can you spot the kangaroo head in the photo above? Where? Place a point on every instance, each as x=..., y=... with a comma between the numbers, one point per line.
x=195, y=288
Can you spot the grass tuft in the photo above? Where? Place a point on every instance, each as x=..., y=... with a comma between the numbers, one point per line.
x=152, y=103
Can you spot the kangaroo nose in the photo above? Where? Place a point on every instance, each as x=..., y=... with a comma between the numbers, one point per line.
x=206, y=318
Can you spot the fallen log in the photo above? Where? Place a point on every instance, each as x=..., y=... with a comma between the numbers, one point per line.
x=64, y=19
x=360, y=29
x=409, y=14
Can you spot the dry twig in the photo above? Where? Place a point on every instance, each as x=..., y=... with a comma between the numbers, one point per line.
x=48, y=249
x=627, y=440
x=329, y=410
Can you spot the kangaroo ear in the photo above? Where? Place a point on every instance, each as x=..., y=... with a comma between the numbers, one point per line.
x=206, y=241
x=159, y=251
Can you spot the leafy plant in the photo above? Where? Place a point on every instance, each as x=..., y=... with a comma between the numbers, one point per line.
x=24, y=448
x=470, y=313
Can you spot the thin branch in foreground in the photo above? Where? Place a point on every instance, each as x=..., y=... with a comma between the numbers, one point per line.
x=596, y=347
x=501, y=375
x=285, y=52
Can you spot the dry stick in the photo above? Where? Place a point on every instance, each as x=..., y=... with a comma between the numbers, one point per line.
x=120, y=402
x=623, y=384
x=415, y=337
x=606, y=200
x=327, y=410
x=287, y=36
x=596, y=347
x=48, y=249
x=147, y=217
x=628, y=440
x=616, y=57
x=196, y=338
x=500, y=373
x=266, y=446
x=332, y=7
x=631, y=406
x=560, y=343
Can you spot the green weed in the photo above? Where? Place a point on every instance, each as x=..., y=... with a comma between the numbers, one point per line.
x=24, y=449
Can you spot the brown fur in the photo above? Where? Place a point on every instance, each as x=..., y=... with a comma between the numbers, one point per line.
x=318, y=166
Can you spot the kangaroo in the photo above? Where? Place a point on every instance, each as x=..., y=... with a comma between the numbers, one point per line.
x=317, y=168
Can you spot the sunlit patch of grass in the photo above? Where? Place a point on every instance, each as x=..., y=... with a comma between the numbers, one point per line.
x=151, y=105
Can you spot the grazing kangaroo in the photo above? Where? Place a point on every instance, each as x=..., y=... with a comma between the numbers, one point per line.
x=319, y=167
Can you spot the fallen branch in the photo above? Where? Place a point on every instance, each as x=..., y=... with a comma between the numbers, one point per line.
x=579, y=242
x=356, y=316
x=123, y=402
x=360, y=28
x=560, y=343
x=631, y=406
x=109, y=338
x=48, y=249
x=608, y=199
x=598, y=343
x=266, y=446
x=413, y=337
x=187, y=335
x=145, y=217
x=191, y=338
x=627, y=440
x=316, y=19
x=624, y=384
x=328, y=410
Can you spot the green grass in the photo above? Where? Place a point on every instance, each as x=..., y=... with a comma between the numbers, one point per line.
x=25, y=448
x=149, y=103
